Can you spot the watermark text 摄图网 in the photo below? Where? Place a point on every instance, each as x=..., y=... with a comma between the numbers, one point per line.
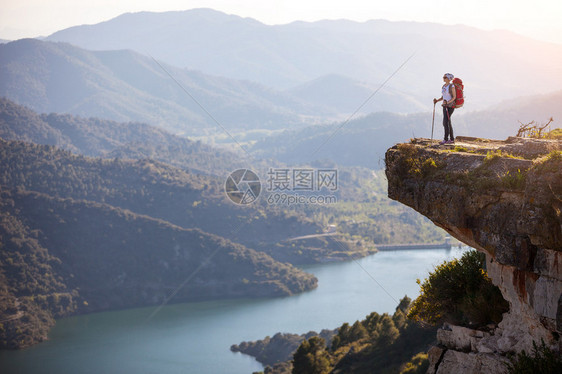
x=301, y=179
x=291, y=186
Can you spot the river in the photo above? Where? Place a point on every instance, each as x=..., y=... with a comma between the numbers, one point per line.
x=195, y=338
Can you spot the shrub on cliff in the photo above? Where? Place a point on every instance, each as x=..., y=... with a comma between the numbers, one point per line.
x=554, y=134
x=413, y=164
x=543, y=360
x=459, y=292
x=417, y=365
x=549, y=163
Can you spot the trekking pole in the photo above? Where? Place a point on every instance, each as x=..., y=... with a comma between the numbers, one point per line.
x=432, y=122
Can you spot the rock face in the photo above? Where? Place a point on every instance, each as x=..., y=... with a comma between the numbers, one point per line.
x=510, y=209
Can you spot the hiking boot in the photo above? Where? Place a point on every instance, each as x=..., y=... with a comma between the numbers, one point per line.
x=442, y=142
x=450, y=142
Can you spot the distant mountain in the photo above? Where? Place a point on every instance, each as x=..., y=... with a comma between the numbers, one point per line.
x=343, y=96
x=359, y=142
x=495, y=65
x=126, y=86
x=504, y=119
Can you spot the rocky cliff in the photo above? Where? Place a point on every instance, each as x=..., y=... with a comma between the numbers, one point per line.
x=503, y=198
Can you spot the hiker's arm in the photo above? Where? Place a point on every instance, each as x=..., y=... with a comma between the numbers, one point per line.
x=435, y=101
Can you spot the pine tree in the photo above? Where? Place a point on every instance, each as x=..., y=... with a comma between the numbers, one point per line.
x=311, y=357
x=388, y=332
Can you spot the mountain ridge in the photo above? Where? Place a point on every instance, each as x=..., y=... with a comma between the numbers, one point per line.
x=126, y=86
x=284, y=56
x=343, y=96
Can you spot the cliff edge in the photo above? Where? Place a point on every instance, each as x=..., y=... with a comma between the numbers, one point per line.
x=503, y=198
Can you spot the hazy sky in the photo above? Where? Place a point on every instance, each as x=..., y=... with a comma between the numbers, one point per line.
x=540, y=19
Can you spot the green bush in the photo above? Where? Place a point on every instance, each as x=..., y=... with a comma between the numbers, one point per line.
x=514, y=180
x=459, y=148
x=492, y=155
x=459, y=292
x=554, y=134
x=411, y=163
x=548, y=164
x=542, y=361
x=417, y=365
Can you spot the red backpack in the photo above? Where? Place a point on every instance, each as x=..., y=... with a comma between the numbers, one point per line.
x=459, y=87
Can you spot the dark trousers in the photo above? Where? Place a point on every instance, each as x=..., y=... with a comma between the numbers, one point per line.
x=447, y=113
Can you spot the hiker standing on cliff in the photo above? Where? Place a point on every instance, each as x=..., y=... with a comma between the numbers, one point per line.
x=448, y=95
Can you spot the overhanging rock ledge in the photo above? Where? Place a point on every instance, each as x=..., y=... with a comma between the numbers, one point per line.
x=503, y=198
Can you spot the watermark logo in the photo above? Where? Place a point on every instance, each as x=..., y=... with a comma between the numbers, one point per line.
x=286, y=186
x=243, y=186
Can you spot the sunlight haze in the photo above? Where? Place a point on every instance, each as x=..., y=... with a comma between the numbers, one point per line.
x=537, y=19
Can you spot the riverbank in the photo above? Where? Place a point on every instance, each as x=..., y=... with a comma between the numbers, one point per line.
x=401, y=247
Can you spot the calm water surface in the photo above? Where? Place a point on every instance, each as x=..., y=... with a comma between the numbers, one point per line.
x=195, y=337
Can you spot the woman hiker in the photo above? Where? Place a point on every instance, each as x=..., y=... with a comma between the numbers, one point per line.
x=448, y=95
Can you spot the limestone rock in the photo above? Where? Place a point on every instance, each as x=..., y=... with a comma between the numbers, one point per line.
x=460, y=338
x=471, y=363
x=435, y=356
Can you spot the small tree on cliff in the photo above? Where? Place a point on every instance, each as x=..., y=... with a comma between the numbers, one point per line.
x=311, y=357
x=459, y=292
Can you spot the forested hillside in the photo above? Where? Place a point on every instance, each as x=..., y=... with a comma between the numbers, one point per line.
x=61, y=256
x=148, y=187
x=110, y=139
